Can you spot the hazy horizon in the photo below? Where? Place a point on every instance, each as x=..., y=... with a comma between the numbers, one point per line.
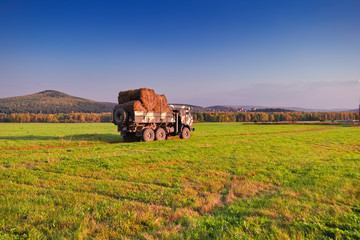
x=204, y=106
x=275, y=54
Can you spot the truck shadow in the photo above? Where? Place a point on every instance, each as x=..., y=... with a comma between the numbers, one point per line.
x=108, y=138
x=29, y=138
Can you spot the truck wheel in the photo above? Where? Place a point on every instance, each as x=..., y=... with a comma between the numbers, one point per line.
x=160, y=134
x=185, y=133
x=119, y=116
x=148, y=135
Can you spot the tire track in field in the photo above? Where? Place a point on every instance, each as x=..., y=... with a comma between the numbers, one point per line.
x=94, y=192
x=29, y=166
x=108, y=143
x=58, y=147
x=269, y=133
x=114, y=180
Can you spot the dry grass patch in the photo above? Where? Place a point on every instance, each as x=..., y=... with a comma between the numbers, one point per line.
x=32, y=164
x=284, y=214
x=352, y=191
x=291, y=194
x=183, y=212
x=243, y=188
x=271, y=213
x=205, y=145
x=209, y=202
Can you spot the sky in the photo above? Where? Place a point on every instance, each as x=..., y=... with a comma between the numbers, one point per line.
x=202, y=52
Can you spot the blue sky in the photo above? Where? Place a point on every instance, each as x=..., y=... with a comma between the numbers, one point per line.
x=270, y=53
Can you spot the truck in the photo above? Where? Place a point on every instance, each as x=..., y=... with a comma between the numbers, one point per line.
x=149, y=126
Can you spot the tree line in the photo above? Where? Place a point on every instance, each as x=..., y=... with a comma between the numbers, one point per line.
x=198, y=117
x=56, y=118
x=273, y=116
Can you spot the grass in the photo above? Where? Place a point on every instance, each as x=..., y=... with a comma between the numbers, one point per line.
x=229, y=181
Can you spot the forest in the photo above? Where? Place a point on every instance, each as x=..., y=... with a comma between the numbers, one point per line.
x=198, y=117
x=273, y=116
x=56, y=118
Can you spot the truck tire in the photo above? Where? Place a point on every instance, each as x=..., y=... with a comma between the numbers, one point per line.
x=119, y=116
x=185, y=133
x=148, y=135
x=160, y=134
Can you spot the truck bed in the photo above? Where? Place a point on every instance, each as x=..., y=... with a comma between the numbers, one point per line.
x=153, y=117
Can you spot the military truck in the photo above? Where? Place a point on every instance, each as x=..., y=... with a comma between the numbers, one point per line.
x=149, y=126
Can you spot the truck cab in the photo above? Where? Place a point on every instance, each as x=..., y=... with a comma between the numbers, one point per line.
x=184, y=118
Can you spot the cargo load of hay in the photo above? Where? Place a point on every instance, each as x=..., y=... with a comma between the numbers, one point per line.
x=143, y=99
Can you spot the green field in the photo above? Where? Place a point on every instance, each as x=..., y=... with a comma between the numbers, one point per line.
x=229, y=181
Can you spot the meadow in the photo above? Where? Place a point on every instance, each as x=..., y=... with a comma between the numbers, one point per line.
x=229, y=181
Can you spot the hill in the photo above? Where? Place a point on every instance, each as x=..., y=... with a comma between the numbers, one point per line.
x=51, y=101
x=256, y=108
x=245, y=108
x=193, y=108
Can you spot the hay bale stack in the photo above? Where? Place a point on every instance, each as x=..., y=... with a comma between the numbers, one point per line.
x=145, y=95
x=143, y=99
x=132, y=106
x=148, y=98
x=161, y=104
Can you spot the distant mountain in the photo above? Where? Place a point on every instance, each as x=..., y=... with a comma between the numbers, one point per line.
x=298, y=109
x=193, y=108
x=51, y=101
x=219, y=108
x=230, y=108
x=256, y=108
